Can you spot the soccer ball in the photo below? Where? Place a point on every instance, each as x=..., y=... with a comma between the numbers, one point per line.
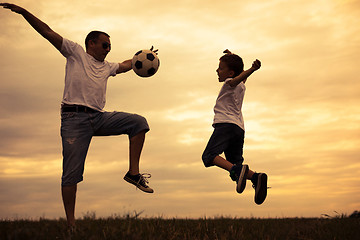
x=145, y=63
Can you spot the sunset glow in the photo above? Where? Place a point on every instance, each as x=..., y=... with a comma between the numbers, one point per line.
x=301, y=109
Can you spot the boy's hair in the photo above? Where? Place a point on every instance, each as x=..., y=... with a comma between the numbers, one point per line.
x=93, y=36
x=234, y=63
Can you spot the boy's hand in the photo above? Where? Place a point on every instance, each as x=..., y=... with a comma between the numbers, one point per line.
x=13, y=7
x=256, y=65
x=227, y=51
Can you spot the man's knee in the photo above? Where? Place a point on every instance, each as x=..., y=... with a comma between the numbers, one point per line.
x=67, y=180
x=140, y=125
x=140, y=120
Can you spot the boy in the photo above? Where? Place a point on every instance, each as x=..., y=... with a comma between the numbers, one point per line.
x=228, y=135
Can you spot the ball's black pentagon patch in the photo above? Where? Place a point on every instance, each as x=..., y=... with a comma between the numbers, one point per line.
x=150, y=56
x=138, y=64
x=138, y=52
x=151, y=71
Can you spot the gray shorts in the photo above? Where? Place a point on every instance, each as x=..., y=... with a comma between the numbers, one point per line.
x=77, y=130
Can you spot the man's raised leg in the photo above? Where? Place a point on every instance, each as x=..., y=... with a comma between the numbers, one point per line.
x=133, y=176
x=136, y=146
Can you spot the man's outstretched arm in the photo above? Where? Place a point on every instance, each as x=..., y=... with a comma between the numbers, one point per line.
x=41, y=27
x=124, y=66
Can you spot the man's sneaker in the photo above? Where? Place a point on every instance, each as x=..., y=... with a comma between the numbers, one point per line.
x=260, y=188
x=238, y=174
x=70, y=233
x=140, y=181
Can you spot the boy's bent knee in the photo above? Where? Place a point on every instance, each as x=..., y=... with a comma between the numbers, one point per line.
x=208, y=159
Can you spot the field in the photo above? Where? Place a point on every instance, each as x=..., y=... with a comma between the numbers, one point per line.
x=134, y=228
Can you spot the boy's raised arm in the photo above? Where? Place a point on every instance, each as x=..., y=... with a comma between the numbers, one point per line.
x=245, y=74
x=42, y=28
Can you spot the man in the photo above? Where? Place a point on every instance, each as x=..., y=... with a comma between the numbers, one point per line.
x=82, y=115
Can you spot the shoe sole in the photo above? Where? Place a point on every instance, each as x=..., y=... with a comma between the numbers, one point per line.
x=242, y=179
x=261, y=189
x=147, y=190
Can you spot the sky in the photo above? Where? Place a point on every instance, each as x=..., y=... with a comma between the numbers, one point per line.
x=301, y=109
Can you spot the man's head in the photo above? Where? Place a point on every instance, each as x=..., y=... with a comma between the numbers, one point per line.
x=98, y=45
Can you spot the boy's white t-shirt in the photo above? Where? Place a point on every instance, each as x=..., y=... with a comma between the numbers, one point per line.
x=85, y=77
x=228, y=104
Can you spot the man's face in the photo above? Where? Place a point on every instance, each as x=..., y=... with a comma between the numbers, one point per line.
x=224, y=72
x=100, y=47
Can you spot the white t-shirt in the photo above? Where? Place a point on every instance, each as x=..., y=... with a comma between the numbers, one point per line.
x=228, y=104
x=85, y=77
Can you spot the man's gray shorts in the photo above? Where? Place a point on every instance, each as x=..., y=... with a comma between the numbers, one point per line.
x=77, y=130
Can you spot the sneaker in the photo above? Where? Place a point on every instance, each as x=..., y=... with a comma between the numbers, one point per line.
x=238, y=174
x=260, y=188
x=140, y=181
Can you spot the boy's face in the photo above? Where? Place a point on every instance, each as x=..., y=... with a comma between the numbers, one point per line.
x=224, y=72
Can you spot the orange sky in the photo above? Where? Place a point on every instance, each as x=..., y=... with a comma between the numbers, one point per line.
x=301, y=108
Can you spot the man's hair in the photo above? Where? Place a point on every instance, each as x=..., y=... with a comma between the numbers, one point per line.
x=234, y=63
x=93, y=36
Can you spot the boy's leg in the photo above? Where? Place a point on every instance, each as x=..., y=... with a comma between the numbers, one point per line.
x=222, y=163
x=234, y=154
x=259, y=181
x=250, y=174
x=221, y=141
x=239, y=173
x=218, y=143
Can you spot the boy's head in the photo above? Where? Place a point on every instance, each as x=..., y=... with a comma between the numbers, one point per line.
x=231, y=65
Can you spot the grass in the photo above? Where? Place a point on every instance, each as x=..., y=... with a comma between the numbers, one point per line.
x=134, y=228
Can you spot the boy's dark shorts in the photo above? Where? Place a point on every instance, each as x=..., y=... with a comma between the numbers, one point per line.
x=227, y=138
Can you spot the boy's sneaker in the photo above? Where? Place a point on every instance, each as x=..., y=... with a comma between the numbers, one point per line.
x=238, y=174
x=260, y=187
x=140, y=181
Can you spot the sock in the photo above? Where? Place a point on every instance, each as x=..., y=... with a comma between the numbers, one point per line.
x=233, y=172
x=134, y=177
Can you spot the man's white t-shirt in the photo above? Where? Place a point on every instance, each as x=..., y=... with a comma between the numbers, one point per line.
x=85, y=77
x=228, y=104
